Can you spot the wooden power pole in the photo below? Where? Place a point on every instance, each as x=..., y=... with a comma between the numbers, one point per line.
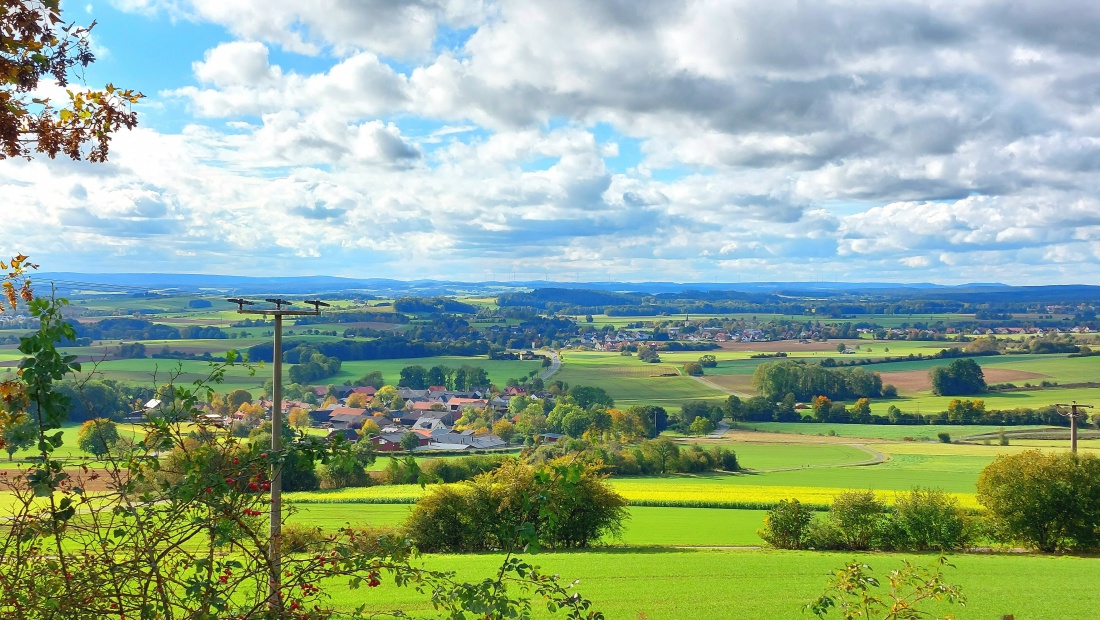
x=1073, y=417
x=276, y=532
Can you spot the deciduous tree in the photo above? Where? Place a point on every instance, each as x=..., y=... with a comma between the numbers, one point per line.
x=37, y=47
x=97, y=436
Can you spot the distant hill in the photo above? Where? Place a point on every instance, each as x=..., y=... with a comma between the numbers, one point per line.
x=542, y=293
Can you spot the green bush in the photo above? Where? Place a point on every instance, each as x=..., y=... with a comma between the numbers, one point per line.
x=459, y=469
x=301, y=539
x=562, y=505
x=858, y=515
x=944, y=437
x=786, y=525
x=1047, y=501
x=928, y=519
x=823, y=534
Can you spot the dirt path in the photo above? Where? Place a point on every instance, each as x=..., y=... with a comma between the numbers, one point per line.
x=876, y=458
x=715, y=386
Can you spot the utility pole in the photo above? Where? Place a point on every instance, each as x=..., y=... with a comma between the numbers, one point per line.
x=276, y=475
x=1073, y=415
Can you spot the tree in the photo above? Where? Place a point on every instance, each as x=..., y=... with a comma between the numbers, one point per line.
x=587, y=396
x=708, y=361
x=861, y=411
x=965, y=411
x=372, y=379
x=701, y=426
x=414, y=377
x=299, y=418
x=385, y=396
x=693, y=369
x=357, y=400
x=1044, y=500
x=666, y=450
x=369, y=429
x=840, y=348
x=20, y=434
x=504, y=429
x=960, y=377
x=37, y=47
x=576, y=421
x=410, y=442
x=253, y=414
x=97, y=436
x=236, y=398
x=561, y=505
x=732, y=408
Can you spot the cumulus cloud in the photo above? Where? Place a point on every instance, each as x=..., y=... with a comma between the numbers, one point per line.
x=649, y=140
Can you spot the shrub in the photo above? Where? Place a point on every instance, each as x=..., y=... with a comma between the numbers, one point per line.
x=944, y=437
x=564, y=505
x=1047, y=501
x=928, y=519
x=855, y=593
x=725, y=458
x=302, y=539
x=858, y=515
x=786, y=525
x=824, y=534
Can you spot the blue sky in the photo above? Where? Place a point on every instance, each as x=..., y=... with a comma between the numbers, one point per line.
x=719, y=140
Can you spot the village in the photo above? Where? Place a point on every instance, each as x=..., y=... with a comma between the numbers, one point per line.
x=430, y=415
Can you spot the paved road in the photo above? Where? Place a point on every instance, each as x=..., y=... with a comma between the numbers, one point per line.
x=555, y=365
x=723, y=428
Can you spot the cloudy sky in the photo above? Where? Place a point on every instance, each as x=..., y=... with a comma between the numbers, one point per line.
x=943, y=141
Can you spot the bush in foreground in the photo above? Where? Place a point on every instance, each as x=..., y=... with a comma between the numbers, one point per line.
x=1047, y=501
x=786, y=525
x=928, y=520
x=564, y=505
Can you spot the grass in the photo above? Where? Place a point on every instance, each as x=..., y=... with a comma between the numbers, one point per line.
x=876, y=431
x=499, y=370
x=720, y=584
x=630, y=381
x=646, y=526
x=759, y=456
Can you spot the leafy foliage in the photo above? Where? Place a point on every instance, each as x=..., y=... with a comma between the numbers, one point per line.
x=560, y=505
x=785, y=526
x=857, y=594
x=960, y=377
x=1044, y=500
x=185, y=535
x=36, y=46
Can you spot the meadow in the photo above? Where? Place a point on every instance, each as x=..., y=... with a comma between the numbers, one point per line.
x=632, y=382
x=646, y=526
x=749, y=585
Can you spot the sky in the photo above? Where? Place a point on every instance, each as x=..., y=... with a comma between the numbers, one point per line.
x=710, y=141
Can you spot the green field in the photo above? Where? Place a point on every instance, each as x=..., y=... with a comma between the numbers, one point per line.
x=630, y=381
x=499, y=370
x=721, y=584
x=698, y=527
x=921, y=432
x=148, y=371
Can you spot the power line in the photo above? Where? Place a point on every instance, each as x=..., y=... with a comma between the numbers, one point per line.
x=276, y=529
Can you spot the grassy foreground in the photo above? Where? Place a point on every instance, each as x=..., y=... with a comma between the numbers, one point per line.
x=722, y=584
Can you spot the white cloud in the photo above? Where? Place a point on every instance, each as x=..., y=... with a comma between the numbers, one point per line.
x=932, y=139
